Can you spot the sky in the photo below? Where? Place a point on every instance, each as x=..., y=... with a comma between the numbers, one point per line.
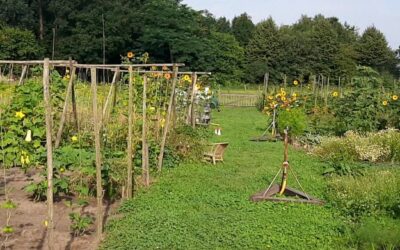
x=383, y=14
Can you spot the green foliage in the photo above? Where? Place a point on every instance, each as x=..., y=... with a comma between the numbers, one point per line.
x=8, y=204
x=188, y=143
x=262, y=50
x=80, y=223
x=22, y=125
x=38, y=190
x=295, y=119
x=16, y=43
x=378, y=233
x=373, y=50
x=242, y=28
x=342, y=167
x=203, y=206
x=373, y=194
x=383, y=146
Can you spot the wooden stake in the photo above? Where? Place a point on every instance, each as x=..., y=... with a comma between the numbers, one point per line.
x=191, y=100
x=49, y=141
x=74, y=109
x=65, y=108
x=165, y=132
x=145, y=166
x=21, y=79
x=96, y=126
x=130, y=132
x=192, y=106
x=109, y=96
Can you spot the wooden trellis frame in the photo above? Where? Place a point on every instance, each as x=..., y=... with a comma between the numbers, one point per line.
x=70, y=93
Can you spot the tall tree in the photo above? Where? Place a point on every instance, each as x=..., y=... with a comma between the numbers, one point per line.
x=242, y=28
x=373, y=50
x=263, y=50
x=223, y=25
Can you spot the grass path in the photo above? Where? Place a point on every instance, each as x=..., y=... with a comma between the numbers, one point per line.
x=198, y=206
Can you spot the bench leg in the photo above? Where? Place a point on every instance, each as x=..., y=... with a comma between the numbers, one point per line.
x=214, y=160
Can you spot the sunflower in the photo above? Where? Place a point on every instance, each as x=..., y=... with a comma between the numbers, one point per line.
x=335, y=94
x=385, y=103
x=167, y=76
x=395, y=97
x=165, y=68
x=283, y=93
x=283, y=98
x=186, y=78
x=270, y=97
x=295, y=82
x=74, y=138
x=130, y=54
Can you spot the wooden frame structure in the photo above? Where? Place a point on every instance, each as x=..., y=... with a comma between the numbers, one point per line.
x=70, y=95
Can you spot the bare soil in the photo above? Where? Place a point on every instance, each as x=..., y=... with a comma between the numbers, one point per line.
x=28, y=219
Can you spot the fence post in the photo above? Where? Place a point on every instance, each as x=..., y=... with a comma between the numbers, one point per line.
x=49, y=148
x=96, y=126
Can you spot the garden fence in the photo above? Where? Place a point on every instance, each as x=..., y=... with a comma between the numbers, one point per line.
x=238, y=100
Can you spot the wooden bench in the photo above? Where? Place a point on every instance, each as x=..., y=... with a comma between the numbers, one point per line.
x=216, y=152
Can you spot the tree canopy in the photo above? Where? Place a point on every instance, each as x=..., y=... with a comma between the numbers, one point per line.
x=171, y=31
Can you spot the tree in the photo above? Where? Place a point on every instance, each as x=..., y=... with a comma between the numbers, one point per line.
x=242, y=28
x=16, y=43
x=373, y=50
x=223, y=25
x=263, y=50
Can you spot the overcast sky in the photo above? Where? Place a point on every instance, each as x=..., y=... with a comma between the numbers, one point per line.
x=383, y=14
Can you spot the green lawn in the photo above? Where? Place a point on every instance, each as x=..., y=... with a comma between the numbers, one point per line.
x=198, y=206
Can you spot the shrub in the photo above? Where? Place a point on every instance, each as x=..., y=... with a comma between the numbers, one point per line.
x=374, y=233
x=16, y=43
x=295, y=119
x=383, y=146
x=375, y=193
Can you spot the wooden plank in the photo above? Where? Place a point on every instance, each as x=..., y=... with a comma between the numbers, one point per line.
x=49, y=149
x=96, y=127
x=191, y=115
x=65, y=108
x=167, y=121
x=106, y=114
x=106, y=66
x=21, y=79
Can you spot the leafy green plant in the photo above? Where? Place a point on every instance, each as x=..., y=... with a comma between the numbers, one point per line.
x=343, y=168
x=374, y=193
x=378, y=233
x=382, y=146
x=295, y=119
x=23, y=123
x=38, y=190
x=80, y=223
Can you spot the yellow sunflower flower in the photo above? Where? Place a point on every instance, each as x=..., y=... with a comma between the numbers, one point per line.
x=395, y=97
x=295, y=82
x=186, y=78
x=74, y=138
x=130, y=54
x=335, y=94
x=385, y=103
